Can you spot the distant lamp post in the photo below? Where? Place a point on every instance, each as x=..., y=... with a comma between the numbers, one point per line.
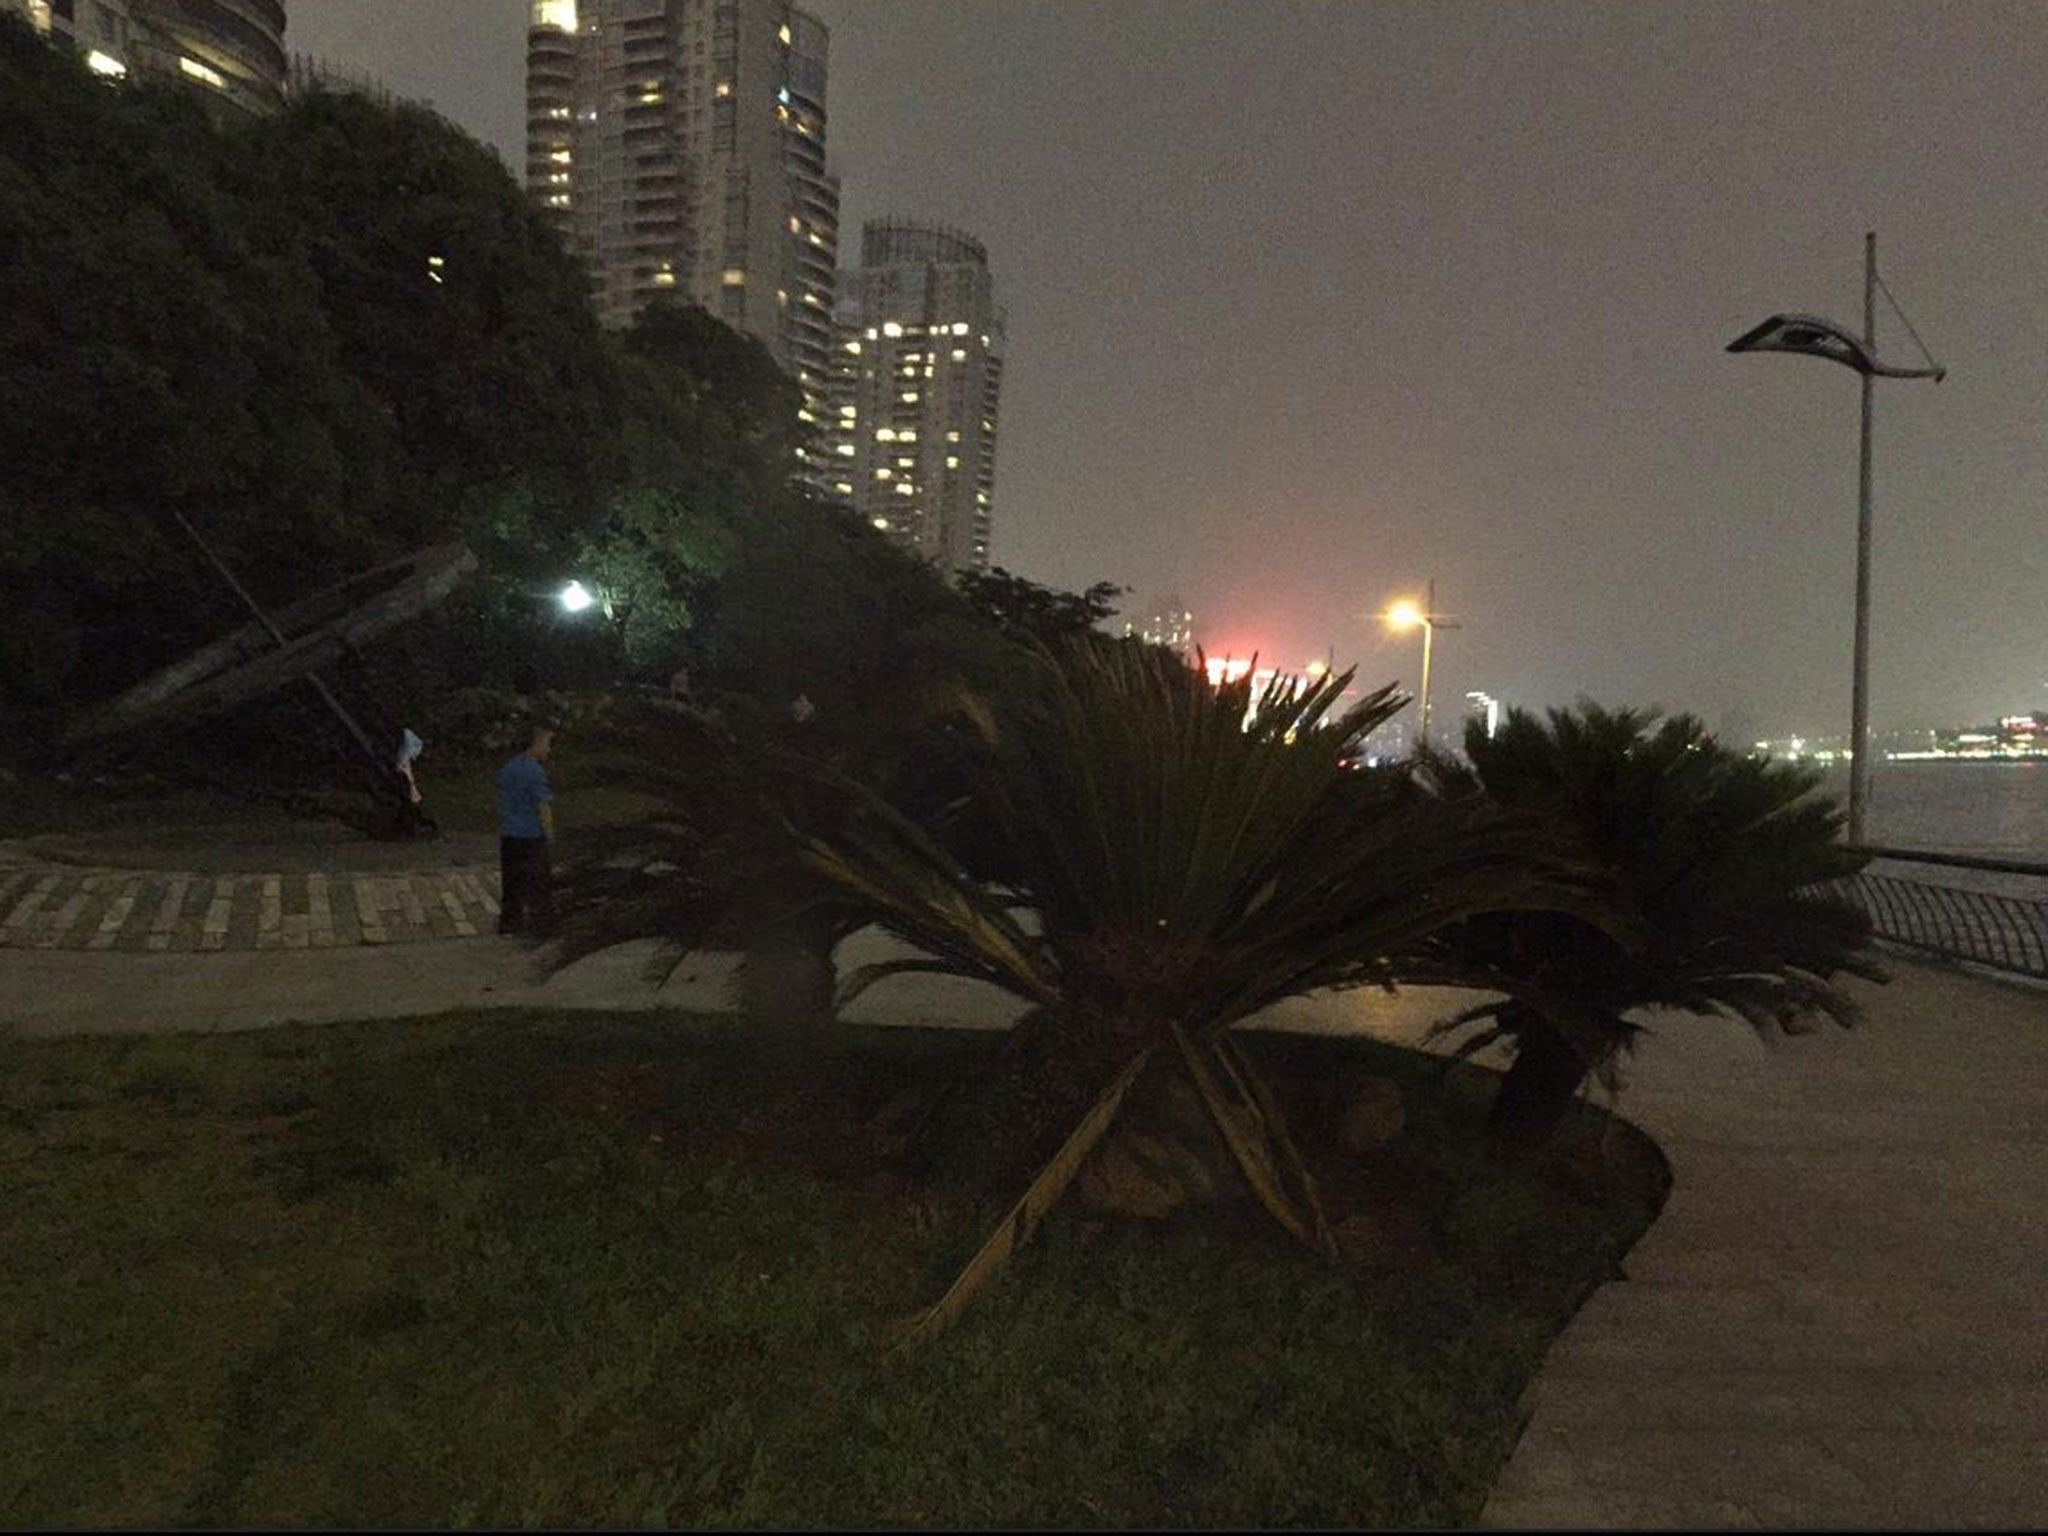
x=575, y=597
x=1488, y=708
x=1405, y=615
x=1815, y=337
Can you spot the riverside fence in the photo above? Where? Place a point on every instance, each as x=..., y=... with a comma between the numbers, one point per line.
x=1992, y=912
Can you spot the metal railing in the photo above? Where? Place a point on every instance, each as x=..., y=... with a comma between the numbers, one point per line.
x=2004, y=928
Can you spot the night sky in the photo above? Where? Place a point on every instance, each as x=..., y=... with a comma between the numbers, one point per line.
x=1311, y=302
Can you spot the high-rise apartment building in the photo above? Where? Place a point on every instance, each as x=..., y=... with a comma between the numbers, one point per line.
x=679, y=148
x=232, y=48
x=920, y=366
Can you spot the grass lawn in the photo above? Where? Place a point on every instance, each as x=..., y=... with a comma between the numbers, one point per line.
x=463, y=797
x=508, y=1270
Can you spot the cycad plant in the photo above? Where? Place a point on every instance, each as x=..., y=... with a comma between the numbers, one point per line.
x=1724, y=865
x=1174, y=858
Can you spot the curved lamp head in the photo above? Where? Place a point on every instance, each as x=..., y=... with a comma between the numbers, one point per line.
x=1405, y=615
x=1815, y=337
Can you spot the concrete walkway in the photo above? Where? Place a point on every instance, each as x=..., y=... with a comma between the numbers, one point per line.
x=1840, y=1318
x=47, y=905
x=57, y=991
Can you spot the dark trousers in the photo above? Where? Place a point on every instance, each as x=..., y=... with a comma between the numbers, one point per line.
x=526, y=901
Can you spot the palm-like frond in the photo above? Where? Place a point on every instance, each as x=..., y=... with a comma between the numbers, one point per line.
x=1726, y=862
x=1191, y=856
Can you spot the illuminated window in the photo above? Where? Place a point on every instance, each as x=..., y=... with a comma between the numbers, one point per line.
x=890, y=329
x=434, y=266
x=650, y=98
x=842, y=487
x=782, y=32
x=854, y=346
x=848, y=410
x=560, y=156
x=881, y=522
x=722, y=89
x=906, y=463
x=871, y=335
x=952, y=462
x=560, y=14
x=960, y=328
x=805, y=416
x=906, y=434
x=959, y=355
x=903, y=488
x=105, y=64
x=844, y=450
x=664, y=279
x=908, y=397
x=796, y=225
x=952, y=437
x=885, y=434
x=884, y=474
x=733, y=277
x=199, y=71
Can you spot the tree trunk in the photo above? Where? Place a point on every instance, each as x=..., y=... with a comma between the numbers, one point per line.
x=787, y=977
x=1537, y=1092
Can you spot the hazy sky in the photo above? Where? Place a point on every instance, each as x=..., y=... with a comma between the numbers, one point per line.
x=1311, y=302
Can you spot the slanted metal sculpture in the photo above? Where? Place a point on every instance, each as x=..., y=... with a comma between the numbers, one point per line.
x=273, y=651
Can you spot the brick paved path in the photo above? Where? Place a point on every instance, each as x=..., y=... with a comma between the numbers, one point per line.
x=45, y=906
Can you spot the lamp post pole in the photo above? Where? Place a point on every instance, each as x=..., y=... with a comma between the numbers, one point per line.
x=1428, y=634
x=1859, y=689
x=1406, y=614
x=1813, y=336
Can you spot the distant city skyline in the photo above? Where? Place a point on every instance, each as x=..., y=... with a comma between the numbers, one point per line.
x=1443, y=293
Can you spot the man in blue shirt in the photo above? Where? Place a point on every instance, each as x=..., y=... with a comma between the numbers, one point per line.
x=526, y=826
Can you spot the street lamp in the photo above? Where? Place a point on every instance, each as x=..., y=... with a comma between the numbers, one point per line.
x=575, y=597
x=1815, y=337
x=1405, y=615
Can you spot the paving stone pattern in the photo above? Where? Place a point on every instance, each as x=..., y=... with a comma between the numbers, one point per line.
x=45, y=906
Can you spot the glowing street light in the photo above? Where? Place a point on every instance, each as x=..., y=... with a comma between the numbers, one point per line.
x=1815, y=337
x=575, y=597
x=1406, y=615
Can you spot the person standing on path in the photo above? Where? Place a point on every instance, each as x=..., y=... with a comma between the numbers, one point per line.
x=526, y=826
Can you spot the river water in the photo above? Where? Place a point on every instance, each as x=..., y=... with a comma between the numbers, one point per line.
x=1994, y=810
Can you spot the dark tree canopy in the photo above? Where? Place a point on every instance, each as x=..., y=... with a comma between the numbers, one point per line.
x=1022, y=607
x=333, y=335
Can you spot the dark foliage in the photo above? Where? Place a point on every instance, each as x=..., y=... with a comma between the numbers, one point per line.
x=1722, y=865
